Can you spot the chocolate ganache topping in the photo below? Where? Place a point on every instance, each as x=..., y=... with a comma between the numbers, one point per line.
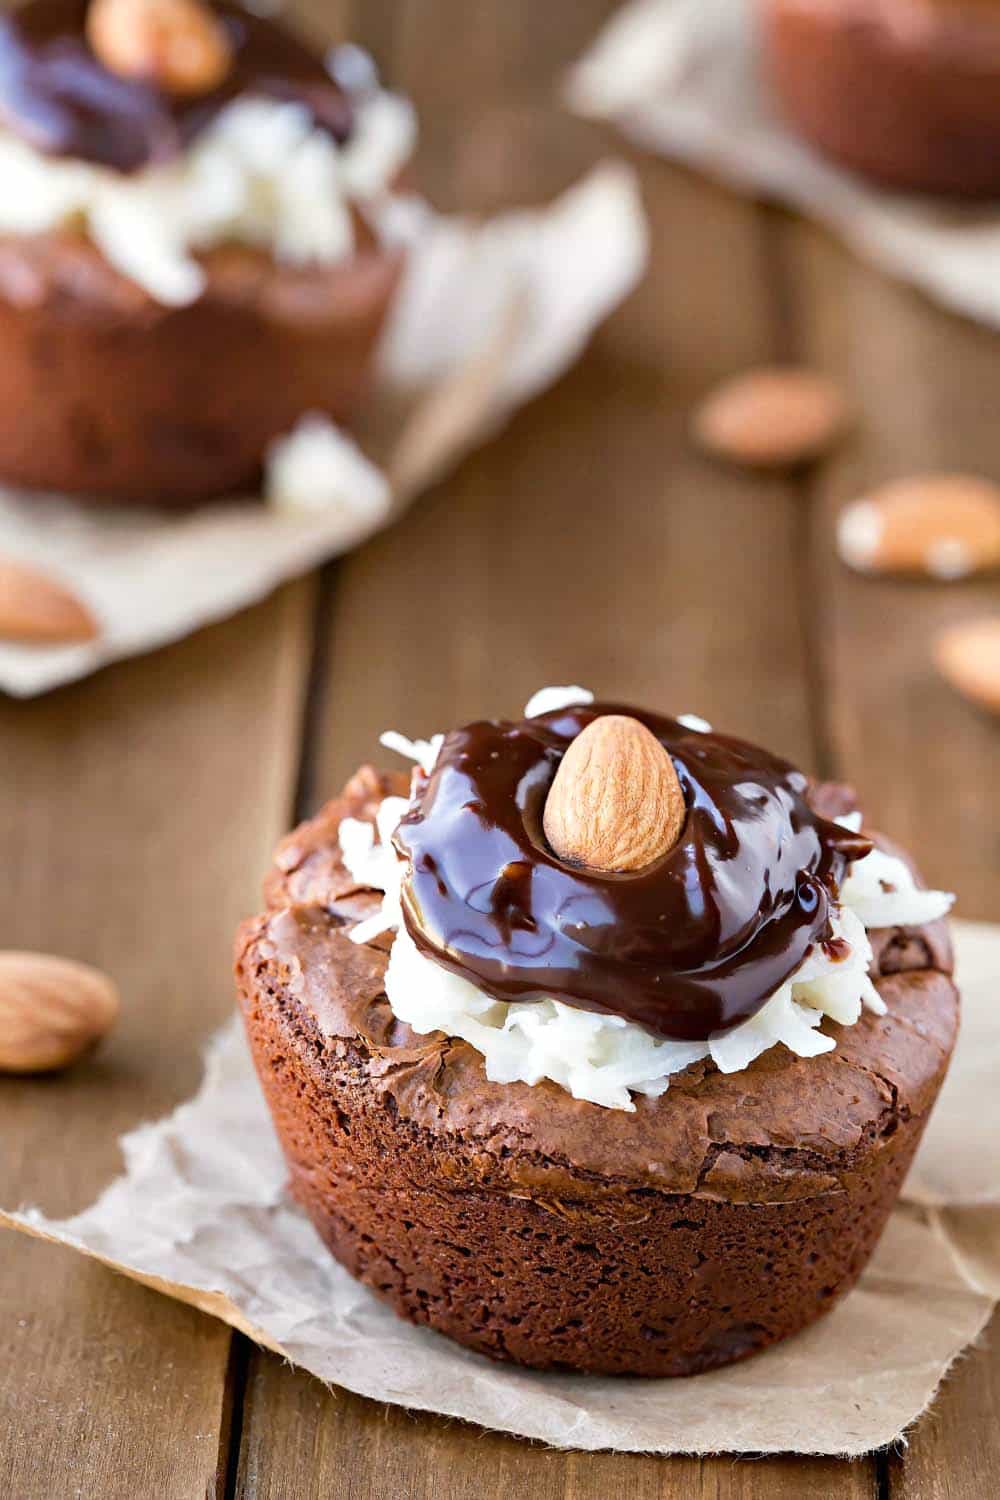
x=696, y=942
x=56, y=94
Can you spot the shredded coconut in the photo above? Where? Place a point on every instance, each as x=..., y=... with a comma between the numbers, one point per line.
x=549, y=700
x=424, y=752
x=316, y=467
x=881, y=890
x=373, y=863
x=695, y=722
x=606, y=1059
x=260, y=174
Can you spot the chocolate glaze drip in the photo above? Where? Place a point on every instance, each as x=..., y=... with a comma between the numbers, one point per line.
x=55, y=94
x=695, y=943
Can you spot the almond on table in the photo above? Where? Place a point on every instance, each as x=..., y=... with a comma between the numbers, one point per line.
x=943, y=526
x=968, y=656
x=51, y=1011
x=771, y=418
x=38, y=609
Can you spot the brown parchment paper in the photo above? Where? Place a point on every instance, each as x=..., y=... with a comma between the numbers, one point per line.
x=201, y=1214
x=488, y=315
x=683, y=77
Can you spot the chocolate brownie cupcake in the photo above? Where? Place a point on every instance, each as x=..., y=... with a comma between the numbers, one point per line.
x=578, y=1048
x=906, y=91
x=188, y=255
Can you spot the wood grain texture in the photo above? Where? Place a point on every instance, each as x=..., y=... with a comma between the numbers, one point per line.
x=593, y=540
x=954, y=1451
x=925, y=389
x=927, y=400
x=124, y=823
x=591, y=543
x=341, y=1447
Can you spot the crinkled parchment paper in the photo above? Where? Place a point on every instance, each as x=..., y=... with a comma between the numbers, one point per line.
x=683, y=77
x=488, y=315
x=201, y=1213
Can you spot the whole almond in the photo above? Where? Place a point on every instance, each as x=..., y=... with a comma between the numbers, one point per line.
x=178, y=45
x=51, y=1010
x=36, y=608
x=968, y=656
x=941, y=525
x=771, y=418
x=615, y=802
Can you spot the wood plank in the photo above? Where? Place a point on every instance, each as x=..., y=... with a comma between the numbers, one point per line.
x=954, y=1452
x=592, y=539
x=136, y=811
x=925, y=387
x=926, y=393
x=345, y=1448
x=589, y=543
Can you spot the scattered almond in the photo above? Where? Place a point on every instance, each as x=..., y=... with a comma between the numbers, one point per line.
x=178, y=45
x=35, y=608
x=615, y=802
x=51, y=1010
x=968, y=656
x=942, y=525
x=771, y=418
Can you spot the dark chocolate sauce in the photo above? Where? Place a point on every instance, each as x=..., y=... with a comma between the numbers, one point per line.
x=55, y=94
x=696, y=942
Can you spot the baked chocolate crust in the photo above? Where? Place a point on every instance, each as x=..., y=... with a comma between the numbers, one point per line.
x=539, y=1228
x=120, y=398
x=905, y=92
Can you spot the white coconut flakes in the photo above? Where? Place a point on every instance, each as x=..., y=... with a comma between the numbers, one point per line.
x=607, y=1059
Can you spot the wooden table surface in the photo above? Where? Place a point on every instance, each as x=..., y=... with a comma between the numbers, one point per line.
x=589, y=543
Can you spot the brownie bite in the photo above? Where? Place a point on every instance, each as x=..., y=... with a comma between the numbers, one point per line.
x=720, y=1199
x=905, y=91
x=188, y=266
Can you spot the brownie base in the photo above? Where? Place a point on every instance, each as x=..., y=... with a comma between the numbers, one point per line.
x=635, y=1282
x=119, y=398
x=533, y=1227
x=903, y=92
